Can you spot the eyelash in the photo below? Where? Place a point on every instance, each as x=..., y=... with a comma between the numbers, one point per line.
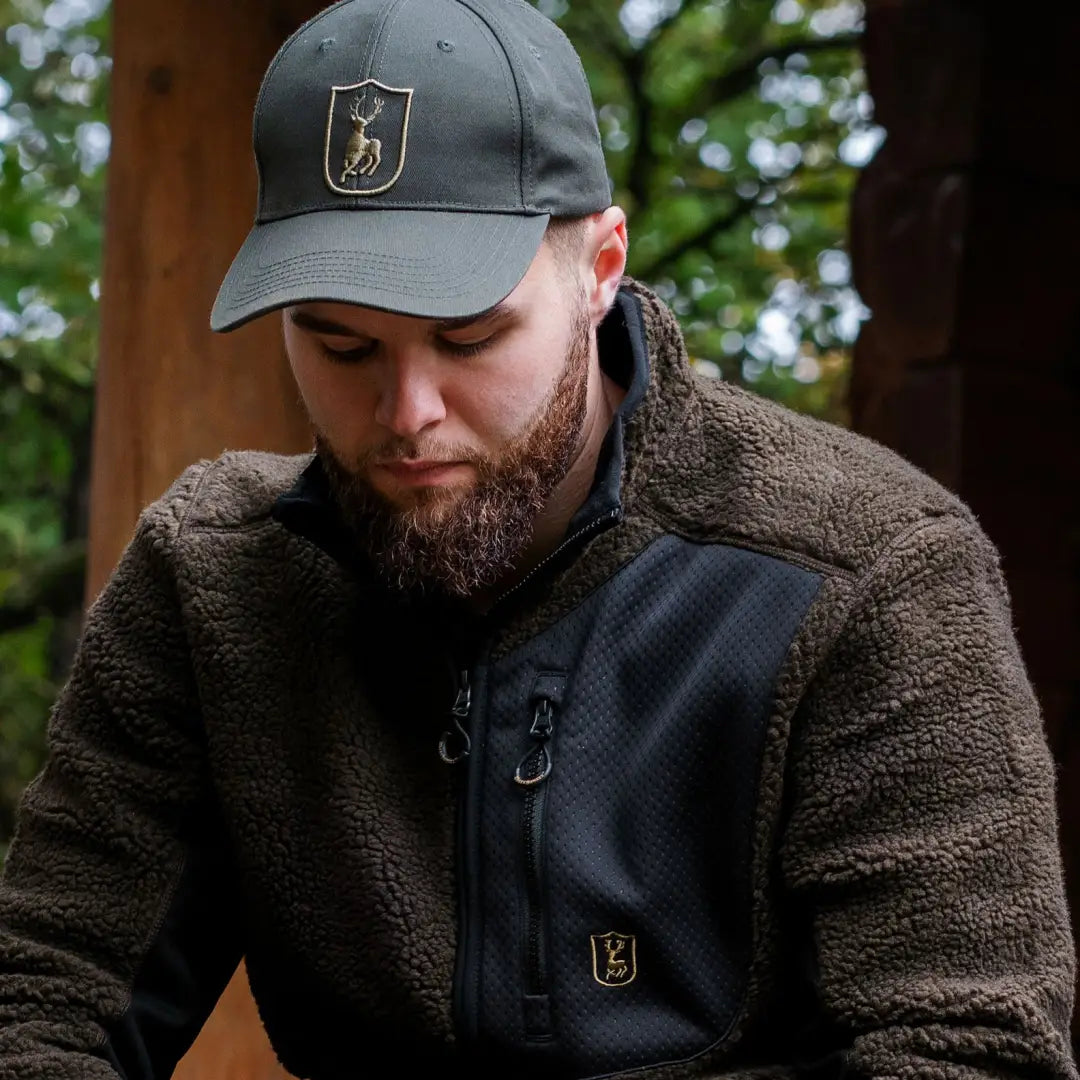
x=472, y=348
x=355, y=356
x=347, y=356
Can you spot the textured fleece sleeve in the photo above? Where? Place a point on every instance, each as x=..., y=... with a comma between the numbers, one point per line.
x=112, y=946
x=923, y=833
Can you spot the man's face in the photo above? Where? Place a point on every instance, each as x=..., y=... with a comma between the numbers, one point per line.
x=444, y=439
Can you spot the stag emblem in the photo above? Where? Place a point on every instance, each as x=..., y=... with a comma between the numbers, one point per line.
x=362, y=155
x=352, y=156
x=616, y=968
x=614, y=964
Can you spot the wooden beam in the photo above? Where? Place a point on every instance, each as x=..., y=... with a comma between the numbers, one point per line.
x=181, y=198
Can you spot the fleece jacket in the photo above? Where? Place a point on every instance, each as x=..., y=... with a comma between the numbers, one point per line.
x=747, y=780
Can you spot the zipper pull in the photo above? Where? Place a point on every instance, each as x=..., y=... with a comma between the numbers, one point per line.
x=459, y=712
x=535, y=767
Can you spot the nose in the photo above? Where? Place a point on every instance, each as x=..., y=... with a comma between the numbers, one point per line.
x=410, y=399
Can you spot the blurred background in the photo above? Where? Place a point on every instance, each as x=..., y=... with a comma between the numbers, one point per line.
x=862, y=212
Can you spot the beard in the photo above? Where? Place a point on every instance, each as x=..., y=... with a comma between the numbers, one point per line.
x=458, y=541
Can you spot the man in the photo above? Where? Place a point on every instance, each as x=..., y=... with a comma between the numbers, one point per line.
x=565, y=714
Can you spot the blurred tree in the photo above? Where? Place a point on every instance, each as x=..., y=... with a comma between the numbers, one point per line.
x=733, y=129
x=54, y=143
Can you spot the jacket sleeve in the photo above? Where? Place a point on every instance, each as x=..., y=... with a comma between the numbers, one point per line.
x=116, y=930
x=922, y=837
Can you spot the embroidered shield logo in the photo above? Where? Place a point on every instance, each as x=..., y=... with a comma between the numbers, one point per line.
x=367, y=130
x=614, y=958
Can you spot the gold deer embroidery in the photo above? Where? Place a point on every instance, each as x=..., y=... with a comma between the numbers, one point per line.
x=614, y=958
x=616, y=967
x=362, y=155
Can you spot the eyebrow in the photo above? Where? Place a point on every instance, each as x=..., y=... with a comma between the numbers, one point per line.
x=306, y=321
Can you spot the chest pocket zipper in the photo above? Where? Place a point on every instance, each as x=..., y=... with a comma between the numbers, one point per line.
x=533, y=776
x=457, y=744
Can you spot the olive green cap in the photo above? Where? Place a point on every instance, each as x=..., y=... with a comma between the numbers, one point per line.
x=410, y=153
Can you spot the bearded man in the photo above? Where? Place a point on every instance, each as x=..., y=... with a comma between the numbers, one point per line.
x=564, y=714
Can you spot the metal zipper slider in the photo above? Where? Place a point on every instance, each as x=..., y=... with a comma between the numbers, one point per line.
x=535, y=767
x=459, y=712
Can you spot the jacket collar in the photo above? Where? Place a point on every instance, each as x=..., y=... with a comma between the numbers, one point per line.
x=308, y=508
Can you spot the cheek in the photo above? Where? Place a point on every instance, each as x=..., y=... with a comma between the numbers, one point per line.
x=336, y=401
x=501, y=397
x=500, y=401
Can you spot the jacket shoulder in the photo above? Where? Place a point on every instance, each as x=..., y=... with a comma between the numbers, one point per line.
x=779, y=479
x=237, y=489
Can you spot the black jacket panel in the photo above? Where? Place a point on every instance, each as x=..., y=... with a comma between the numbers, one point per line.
x=667, y=682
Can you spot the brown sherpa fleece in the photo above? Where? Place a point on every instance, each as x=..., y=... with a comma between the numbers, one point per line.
x=215, y=745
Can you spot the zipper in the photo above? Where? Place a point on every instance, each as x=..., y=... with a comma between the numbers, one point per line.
x=597, y=524
x=455, y=743
x=455, y=748
x=532, y=776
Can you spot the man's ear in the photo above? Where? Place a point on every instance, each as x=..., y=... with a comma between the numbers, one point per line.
x=604, y=254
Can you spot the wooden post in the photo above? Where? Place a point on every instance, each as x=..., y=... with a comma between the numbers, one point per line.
x=965, y=229
x=181, y=199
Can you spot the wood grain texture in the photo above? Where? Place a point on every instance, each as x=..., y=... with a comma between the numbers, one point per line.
x=181, y=199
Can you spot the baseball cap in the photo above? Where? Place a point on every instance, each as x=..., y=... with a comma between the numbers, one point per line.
x=410, y=154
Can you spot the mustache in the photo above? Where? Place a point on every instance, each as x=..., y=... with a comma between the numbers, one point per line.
x=401, y=449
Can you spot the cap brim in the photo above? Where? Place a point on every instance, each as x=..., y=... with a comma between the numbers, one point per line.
x=429, y=263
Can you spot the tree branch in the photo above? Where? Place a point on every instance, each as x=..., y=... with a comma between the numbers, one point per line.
x=728, y=86
x=600, y=31
x=631, y=63
x=716, y=225
x=664, y=25
x=11, y=376
x=642, y=161
x=737, y=81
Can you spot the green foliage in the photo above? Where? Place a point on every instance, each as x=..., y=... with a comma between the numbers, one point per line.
x=53, y=142
x=733, y=130
x=26, y=691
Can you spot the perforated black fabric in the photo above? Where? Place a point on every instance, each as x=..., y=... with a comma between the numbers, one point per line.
x=671, y=668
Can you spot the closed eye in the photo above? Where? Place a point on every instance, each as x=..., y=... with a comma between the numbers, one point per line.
x=347, y=356
x=466, y=348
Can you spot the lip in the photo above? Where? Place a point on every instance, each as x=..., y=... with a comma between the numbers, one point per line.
x=421, y=472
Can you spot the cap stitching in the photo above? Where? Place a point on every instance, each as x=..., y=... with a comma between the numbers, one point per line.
x=391, y=285
x=451, y=252
x=436, y=289
x=372, y=42
x=378, y=28
x=508, y=87
x=451, y=206
x=279, y=275
x=385, y=32
x=524, y=103
x=278, y=57
x=358, y=192
x=368, y=258
x=242, y=311
x=335, y=272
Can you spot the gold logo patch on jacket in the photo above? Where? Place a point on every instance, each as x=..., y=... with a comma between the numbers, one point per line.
x=367, y=130
x=614, y=958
